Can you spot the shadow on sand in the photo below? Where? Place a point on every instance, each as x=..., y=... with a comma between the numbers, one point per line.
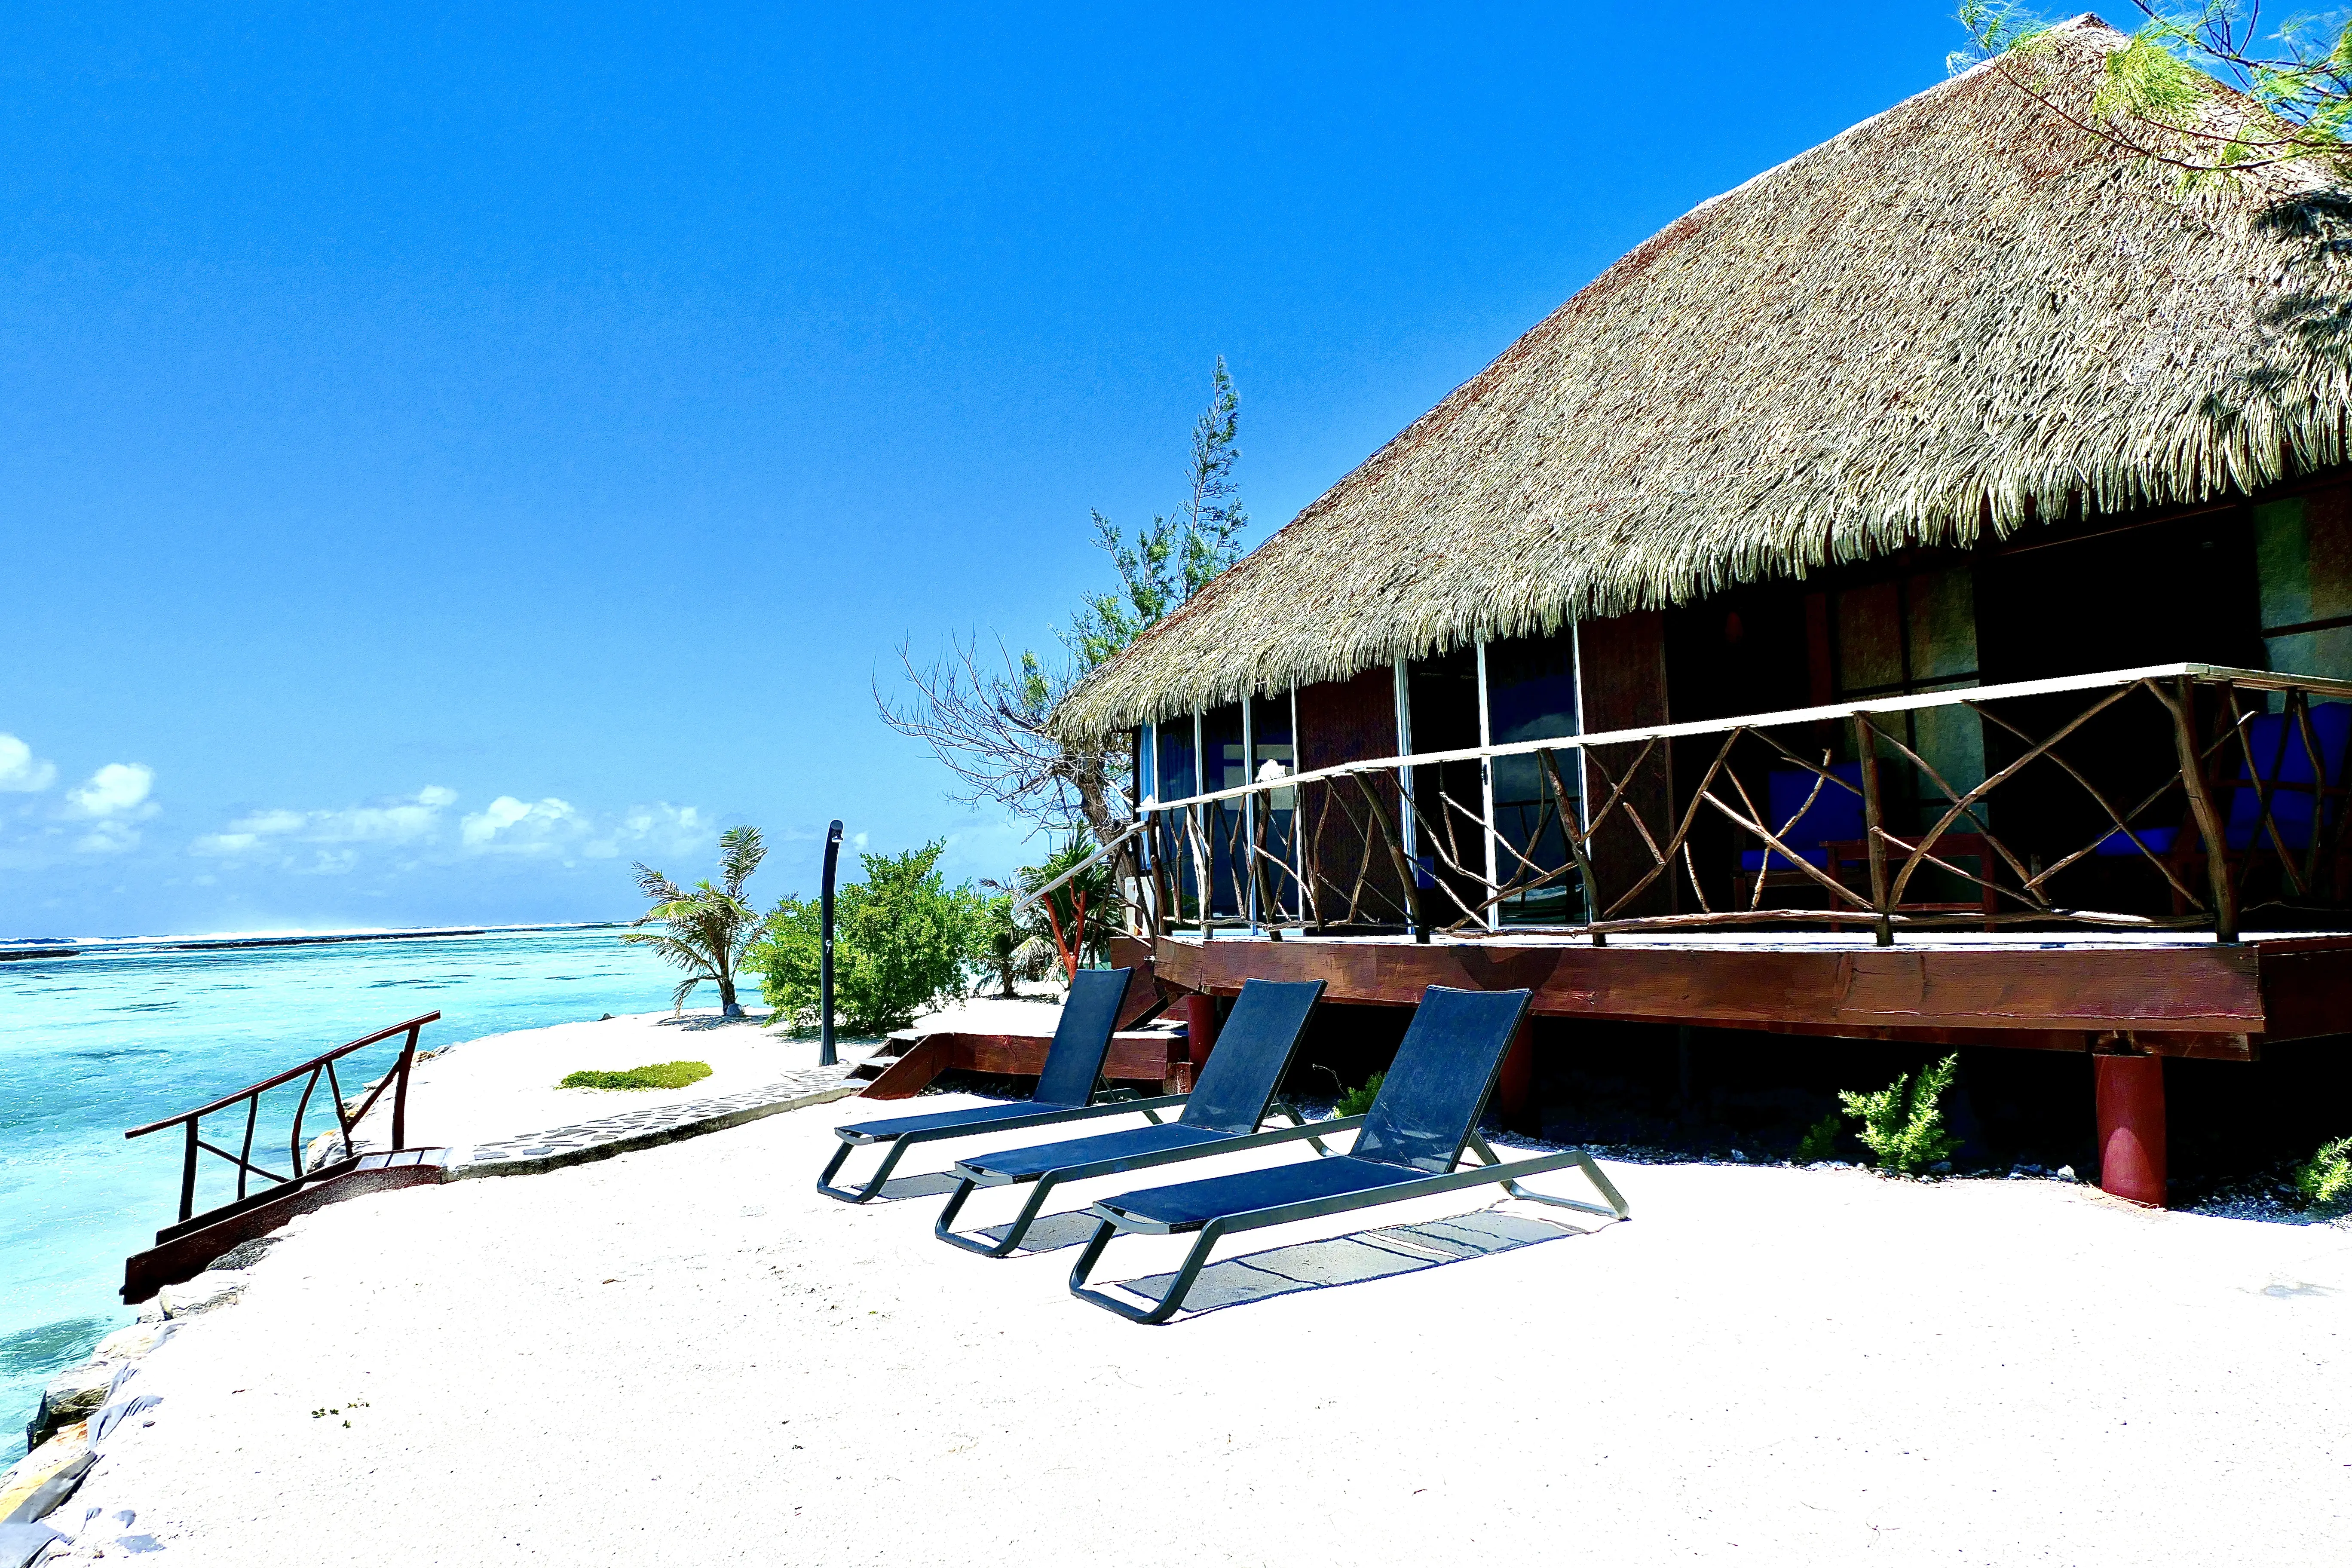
x=1352, y=1259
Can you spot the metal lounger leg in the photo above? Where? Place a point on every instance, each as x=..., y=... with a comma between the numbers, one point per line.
x=1616, y=1210
x=874, y=1184
x=944, y=1226
x=1299, y=1120
x=1179, y=1288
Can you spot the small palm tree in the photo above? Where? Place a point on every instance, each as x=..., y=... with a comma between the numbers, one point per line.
x=1078, y=912
x=709, y=927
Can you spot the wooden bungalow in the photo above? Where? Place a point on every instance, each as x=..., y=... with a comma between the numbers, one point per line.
x=1908, y=598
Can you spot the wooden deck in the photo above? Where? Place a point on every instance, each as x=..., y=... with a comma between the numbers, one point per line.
x=2188, y=996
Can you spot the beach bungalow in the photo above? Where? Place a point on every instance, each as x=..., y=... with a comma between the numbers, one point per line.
x=1908, y=598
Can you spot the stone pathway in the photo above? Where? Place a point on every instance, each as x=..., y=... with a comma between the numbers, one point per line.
x=618, y=1135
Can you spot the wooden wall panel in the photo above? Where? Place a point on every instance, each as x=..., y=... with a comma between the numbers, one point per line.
x=1622, y=681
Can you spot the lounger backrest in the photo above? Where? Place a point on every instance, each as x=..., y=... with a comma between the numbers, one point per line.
x=1074, y=1062
x=1255, y=1045
x=1434, y=1090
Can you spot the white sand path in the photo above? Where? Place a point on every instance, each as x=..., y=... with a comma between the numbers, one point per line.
x=503, y=1085
x=686, y=1355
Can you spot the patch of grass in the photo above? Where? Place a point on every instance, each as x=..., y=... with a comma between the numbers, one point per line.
x=1357, y=1102
x=660, y=1074
x=1903, y=1125
x=1819, y=1141
x=2325, y=1179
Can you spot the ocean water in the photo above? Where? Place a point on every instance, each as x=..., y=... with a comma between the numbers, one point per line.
x=91, y=1045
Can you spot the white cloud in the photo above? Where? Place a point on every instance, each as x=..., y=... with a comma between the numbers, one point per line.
x=394, y=819
x=509, y=824
x=21, y=773
x=112, y=799
x=659, y=830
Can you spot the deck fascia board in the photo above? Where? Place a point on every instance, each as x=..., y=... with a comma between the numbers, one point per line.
x=2164, y=989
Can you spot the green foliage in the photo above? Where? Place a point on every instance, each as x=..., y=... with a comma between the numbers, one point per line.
x=901, y=940
x=1819, y=1141
x=706, y=929
x=1173, y=557
x=660, y=1074
x=2325, y=1179
x=1903, y=1125
x=1357, y=1102
x=1010, y=949
x=2157, y=98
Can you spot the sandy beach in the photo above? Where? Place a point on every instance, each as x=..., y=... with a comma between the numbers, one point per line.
x=686, y=1354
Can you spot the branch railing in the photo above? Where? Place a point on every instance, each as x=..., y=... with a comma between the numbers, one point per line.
x=319, y=1068
x=2233, y=783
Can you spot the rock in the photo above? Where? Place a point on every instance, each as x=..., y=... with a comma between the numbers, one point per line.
x=205, y=1292
x=131, y=1343
x=245, y=1253
x=1941, y=1168
x=55, y=1458
x=324, y=1150
x=2066, y=1173
x=72, y=1395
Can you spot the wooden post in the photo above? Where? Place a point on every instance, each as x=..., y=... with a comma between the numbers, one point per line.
x=2200, y=806
x=1200, y=1034
x=1873, y=824
x=2129, y=1094
x=1515, y=1091
x=400, y=1089
x=188, y=1174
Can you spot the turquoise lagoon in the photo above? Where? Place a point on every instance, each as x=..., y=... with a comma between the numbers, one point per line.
x=92, y=1044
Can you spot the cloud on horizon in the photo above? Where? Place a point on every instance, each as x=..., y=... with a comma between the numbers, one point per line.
x=401, y=832
x=21, y=773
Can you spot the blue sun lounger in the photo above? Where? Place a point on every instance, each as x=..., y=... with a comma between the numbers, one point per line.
x=1066, y=1090
x=1407, y=1146
x=1220, y=1115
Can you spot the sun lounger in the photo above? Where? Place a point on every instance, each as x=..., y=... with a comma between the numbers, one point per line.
x=1066, y=1091
x=1407, y=1146
x=1220, y=1115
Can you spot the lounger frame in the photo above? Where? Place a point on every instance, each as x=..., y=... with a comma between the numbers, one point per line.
x=1117, y=1102
x=944, y=1226
x=1495, y=1171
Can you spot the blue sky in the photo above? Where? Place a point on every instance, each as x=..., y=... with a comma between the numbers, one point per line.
x=452, y=453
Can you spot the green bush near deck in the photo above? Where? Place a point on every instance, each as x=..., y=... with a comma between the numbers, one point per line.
x=1903, y=1125
x=660, y=1074
x=1357, y=1102
x=2325, y=1179
x=1819, y=1141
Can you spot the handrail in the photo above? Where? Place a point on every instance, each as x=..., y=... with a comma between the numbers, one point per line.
x=289, y=1074
x=346, y=1119
x=2264, y=679
x=1400, y=856
x=1033, y=894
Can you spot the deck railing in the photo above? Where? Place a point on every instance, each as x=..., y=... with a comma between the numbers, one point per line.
x=313, y=1071
x=2226, y=787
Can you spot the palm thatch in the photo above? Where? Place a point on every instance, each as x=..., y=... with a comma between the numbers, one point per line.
x=1965, y=314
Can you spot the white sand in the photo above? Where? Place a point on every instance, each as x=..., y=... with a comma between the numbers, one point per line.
x=503, y=1085
x=685, y=1355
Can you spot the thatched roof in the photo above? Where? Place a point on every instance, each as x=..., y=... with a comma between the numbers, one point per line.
x=1961, y=314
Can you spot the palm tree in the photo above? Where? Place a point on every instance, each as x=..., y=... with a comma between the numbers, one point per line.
x=1078, y=912
x=708, y=927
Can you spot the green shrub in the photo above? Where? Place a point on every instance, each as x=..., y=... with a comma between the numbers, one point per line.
x=1819, y=1141
x=661, y=1075
x=902, y=939
x=2325, y=1179
x=1903, y=1125
x=1357, y=1102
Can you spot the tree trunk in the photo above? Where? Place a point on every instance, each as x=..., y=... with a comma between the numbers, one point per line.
x=728, y=1006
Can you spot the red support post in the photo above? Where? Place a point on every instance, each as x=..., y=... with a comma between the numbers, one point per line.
x=1515, y=1090
x=1200, y=1027
x=2130, y=1093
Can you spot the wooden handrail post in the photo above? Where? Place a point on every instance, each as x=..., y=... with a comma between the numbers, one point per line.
x=1405, y=867
x=400, y=1093
x=1873, y=827
x=2200, y=805
x=188, y=1174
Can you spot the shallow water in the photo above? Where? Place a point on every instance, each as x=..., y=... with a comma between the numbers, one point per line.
x=89, y=1047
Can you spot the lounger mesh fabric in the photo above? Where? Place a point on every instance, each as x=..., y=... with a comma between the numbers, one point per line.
x=1253, y=1047
x=1452, y=1053
x=1074, y=1062
x=1418, y=1124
